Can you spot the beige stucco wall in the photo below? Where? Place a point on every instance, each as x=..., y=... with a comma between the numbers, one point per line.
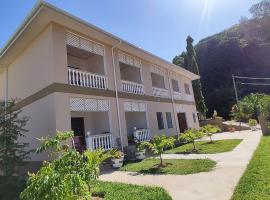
x=2, y=85
x=152, y=109
x=42, y=123
x=33, y=69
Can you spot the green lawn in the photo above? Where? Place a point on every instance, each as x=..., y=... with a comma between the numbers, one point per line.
x=120, y=191
x=255, y=183
x=174, y=166
x=107, y=190
x=204, y=147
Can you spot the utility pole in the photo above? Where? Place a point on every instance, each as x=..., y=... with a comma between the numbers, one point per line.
x=235, y=89
x=236, y=97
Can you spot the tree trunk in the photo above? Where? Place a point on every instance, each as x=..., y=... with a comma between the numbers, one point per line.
x=194, y=147
x=211, y=139
x=161, y=161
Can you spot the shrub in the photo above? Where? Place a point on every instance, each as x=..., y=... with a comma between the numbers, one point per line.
x=252, y=122
x=191, y=135
x=12, y=128
x=69, y=175
x=158, y=144
x=209, y=130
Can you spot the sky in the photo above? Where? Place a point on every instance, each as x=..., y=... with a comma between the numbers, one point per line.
x=158, y=26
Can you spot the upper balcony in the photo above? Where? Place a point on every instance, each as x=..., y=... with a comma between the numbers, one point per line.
x=176, y=89
x=130, y=71
x=188, y=94
x=85, y=61
x=158, y=86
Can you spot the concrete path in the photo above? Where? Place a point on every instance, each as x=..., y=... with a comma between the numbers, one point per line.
x=217, y=184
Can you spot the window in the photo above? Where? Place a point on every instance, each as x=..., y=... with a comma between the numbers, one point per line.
x=160, y=120
x=175, y=85
x=187, y=90
x=169, y=120
x=194, y=117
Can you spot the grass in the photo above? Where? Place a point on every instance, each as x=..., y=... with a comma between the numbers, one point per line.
x=120, y=191
x=10, y=189
x=174, y=166
x=205, y=147
x=255, y=182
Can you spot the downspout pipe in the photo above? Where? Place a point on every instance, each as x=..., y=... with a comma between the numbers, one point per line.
x=173, y=104
x=6, y=87
x=116, y=94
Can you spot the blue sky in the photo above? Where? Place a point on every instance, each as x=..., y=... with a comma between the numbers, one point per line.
x=158, y=26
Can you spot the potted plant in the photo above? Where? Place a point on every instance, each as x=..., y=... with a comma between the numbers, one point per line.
x=117, y=158
x=252, y=124
x=140, y=152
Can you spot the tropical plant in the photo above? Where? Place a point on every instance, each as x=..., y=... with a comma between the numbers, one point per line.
x=264, y=105
x=191, y=135
x=116, y=153
x=209, y=130
x=57, y=145
x=69, y=175
x=242, y=111
x=252, y=122
x=157, y=146
x=12, y=152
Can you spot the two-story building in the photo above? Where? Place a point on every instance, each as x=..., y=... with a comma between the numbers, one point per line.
x=70, y=75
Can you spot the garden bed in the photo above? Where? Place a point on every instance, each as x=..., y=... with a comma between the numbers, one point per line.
x=205, y=147
x=171, y=166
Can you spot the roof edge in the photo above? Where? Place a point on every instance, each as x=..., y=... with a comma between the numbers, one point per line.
x=38, y=7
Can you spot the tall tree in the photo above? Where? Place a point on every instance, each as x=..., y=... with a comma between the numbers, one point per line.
x=261, y=9
x=191, y=65
x=12, y=152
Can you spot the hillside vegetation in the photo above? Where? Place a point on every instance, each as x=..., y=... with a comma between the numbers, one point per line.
x=243, y=50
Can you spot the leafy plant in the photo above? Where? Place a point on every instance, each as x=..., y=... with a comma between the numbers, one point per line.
x=116, y=153
x=242, y=111
x=56, y=145
x=12, y=152
x=209, y=130
x=157, y=146
x=191, y=135
x=252, y=122
x=69, y=175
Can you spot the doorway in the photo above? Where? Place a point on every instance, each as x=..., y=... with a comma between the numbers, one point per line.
x=77, y=126
x=182, y=121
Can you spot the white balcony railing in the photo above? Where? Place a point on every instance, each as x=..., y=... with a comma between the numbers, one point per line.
x=176, y=95
x=132, y=87
x=87, y=79
x=141, y=135
x=99, y=141
x=160, y=92
x=189, y=97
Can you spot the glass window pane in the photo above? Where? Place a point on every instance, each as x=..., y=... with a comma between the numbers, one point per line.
x=160, y=120
x=169, y=120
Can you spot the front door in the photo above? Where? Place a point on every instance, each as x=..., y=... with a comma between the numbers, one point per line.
x=77, y=126
x=182, y=121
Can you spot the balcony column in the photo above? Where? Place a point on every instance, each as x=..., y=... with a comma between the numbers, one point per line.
x=116, y=94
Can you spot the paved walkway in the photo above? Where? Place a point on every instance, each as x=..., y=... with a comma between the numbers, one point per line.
x=217, y=184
